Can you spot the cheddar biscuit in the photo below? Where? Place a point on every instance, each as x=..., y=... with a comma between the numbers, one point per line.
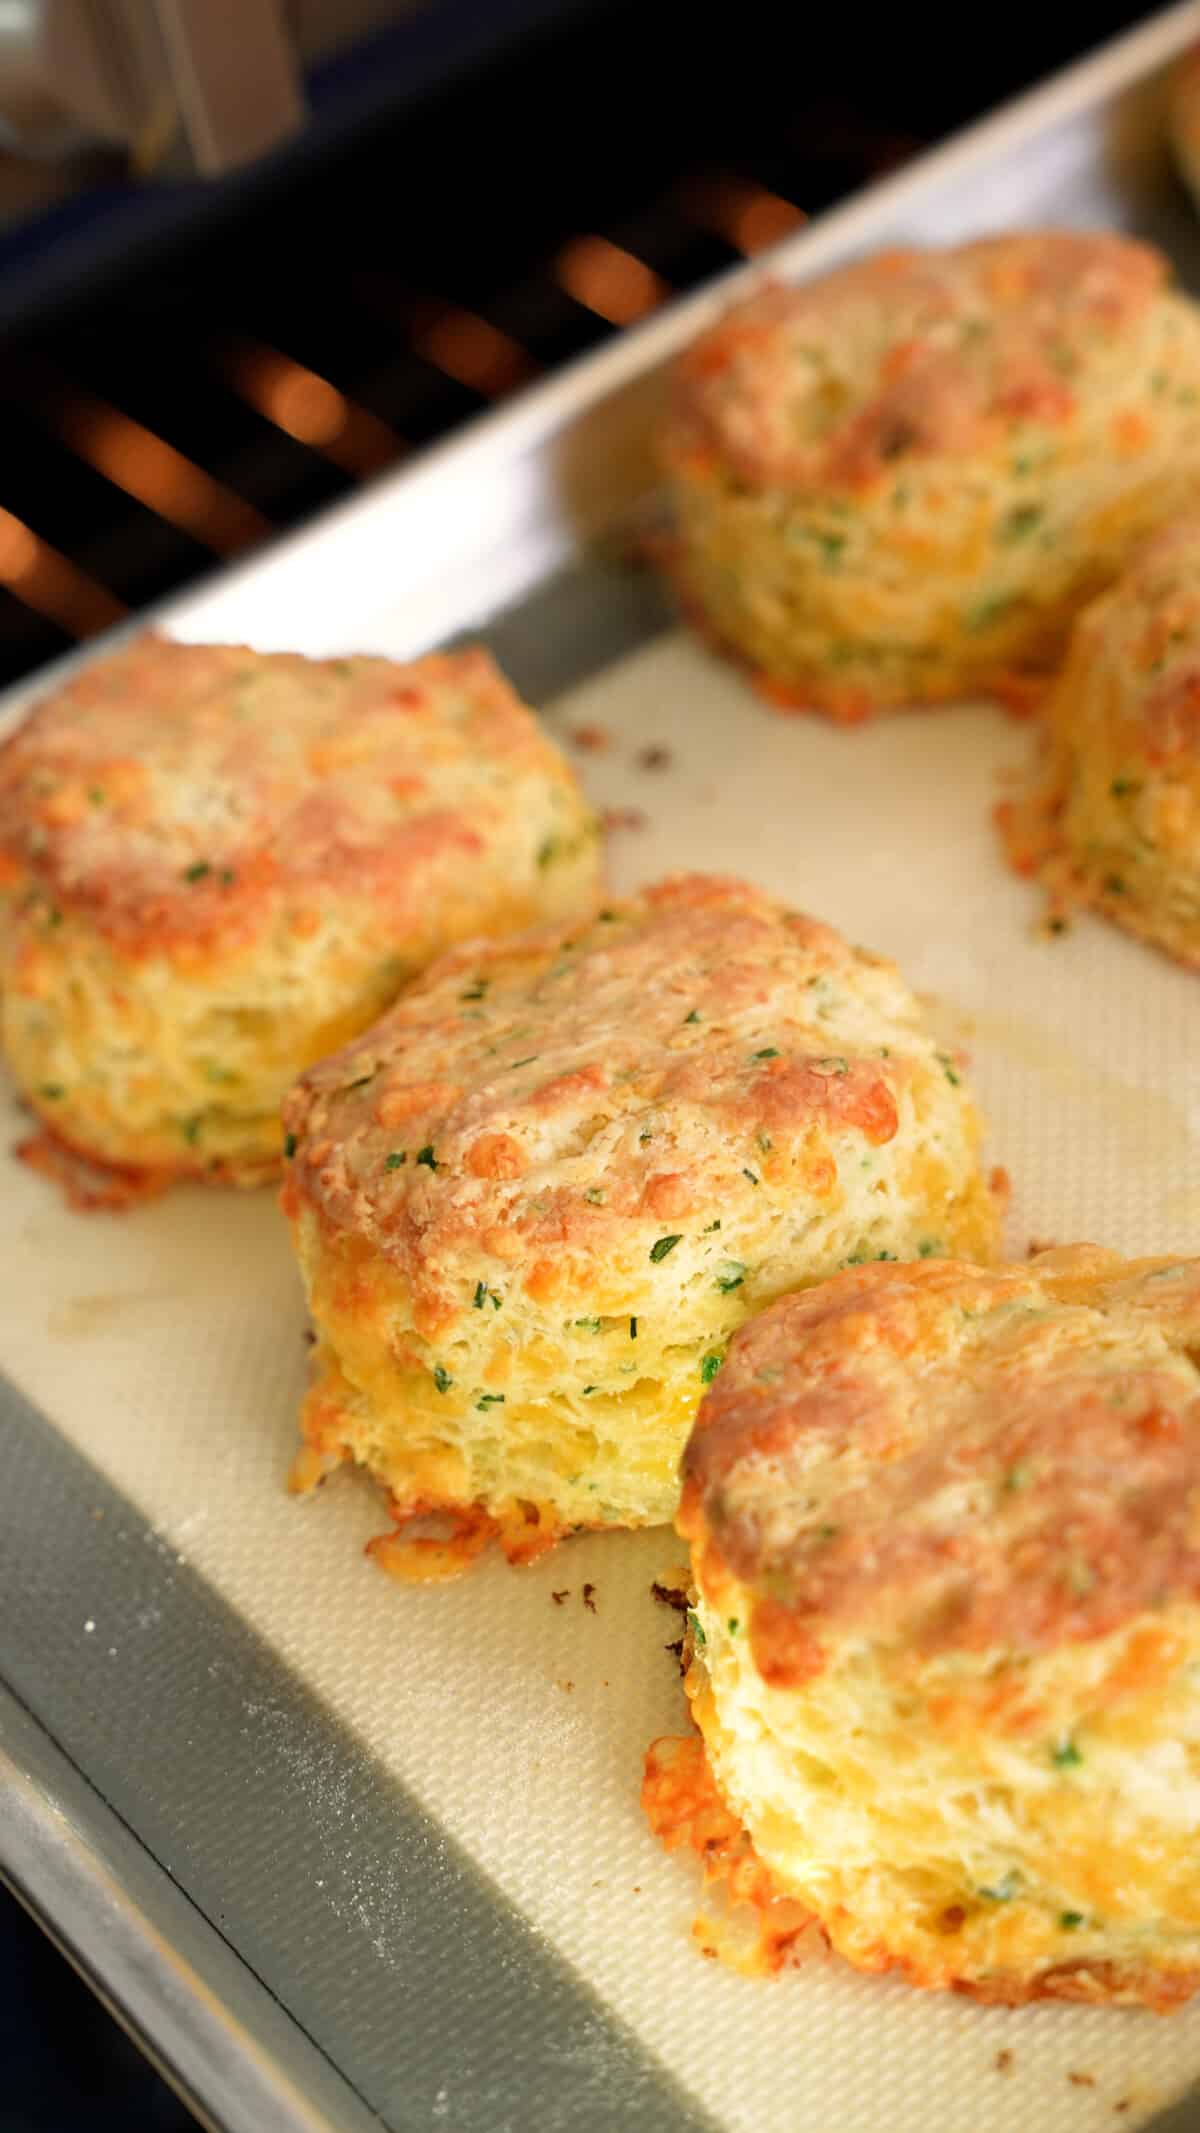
x=532, y=1204
x=945, y=1531
x=1111, y=815
x=896, y=484
x=216, y=866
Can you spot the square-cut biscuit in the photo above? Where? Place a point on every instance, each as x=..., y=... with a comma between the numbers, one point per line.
x=945, y=1651
x=217, y=865
x=898, y=483
x=532, y=1204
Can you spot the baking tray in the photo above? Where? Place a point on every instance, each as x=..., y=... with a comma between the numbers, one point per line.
x=345, y=1855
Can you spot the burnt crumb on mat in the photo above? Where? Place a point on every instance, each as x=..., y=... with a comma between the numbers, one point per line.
x=589, y=1598
x=590, y=740
x=655, y=757
x=672, y=1595
x=559, y=1597
x=1003, y=2062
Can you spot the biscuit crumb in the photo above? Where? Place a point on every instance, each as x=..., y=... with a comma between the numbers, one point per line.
x=1082, y=2081
x=1039, y=1244
x=655, y=757
x=590, y=740
x=624, y=818
x=1124, y=2104
x=1003, y=2062
x=671, y=1595
x=589, y=1598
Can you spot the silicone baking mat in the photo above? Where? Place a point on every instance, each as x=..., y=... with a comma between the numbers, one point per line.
x=167, y=1346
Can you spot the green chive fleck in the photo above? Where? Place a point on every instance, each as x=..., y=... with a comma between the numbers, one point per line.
x=480, y=1297
x=426, y=1155
x=1113, y=884
x=733, y=1625
x=589, y=1325
x=697, y=1627
x=1068, y=1920
x=1121, y=786
x=1066, y=1756
x=749, y=1174
x=633, y=1329
x=594, y=1196
x=693, y=1017
x=290, y=1146
x=442, y=1378
x=475, y=991
x=397, y=1157
x=769, y=1051
x=52, y=1090
x=949, y=1069
x=547, y=852
x=1019, y=522
x=710, y=1366
x=731, y=1276
x=490, y=1399
x=664, y=1245
x=197, y=870
x=985, y=612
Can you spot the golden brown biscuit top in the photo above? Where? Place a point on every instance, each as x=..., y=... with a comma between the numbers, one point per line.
x=912, y=354
x=179, y=791
x=948, y=1459
x=605, y=1094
